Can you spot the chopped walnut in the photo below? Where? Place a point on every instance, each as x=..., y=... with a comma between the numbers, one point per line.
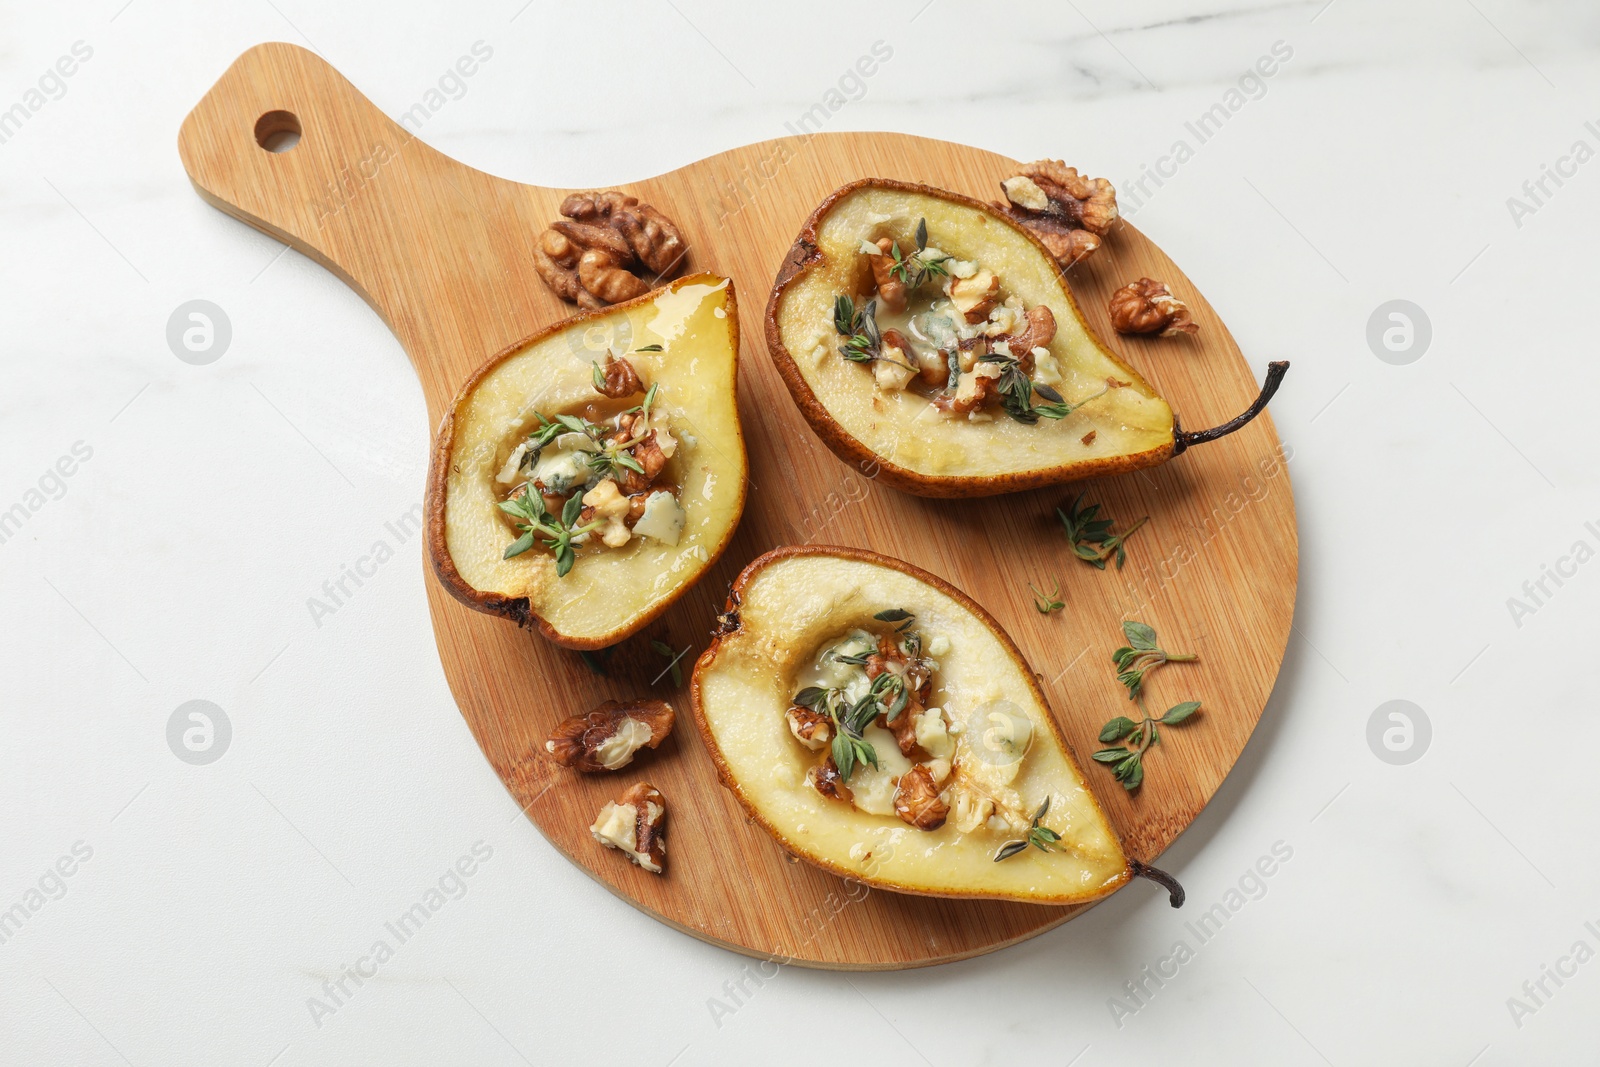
x=895, y=366
x=590, y=256
x=1038, y=332
x=606, y=738
x=904, y=729
x=825, y=779
x=970, y=807
x=916, y=800
x=918, y=682
x=891, y=290
x=1148, y=306
x=618, y=378
x=650, y=454
x=976, y=296
x=606, y=503
x=811, y=728
x=636, y=824
x=972, y=389
x=909, y=363
x=932, y=368
x=1068, y=212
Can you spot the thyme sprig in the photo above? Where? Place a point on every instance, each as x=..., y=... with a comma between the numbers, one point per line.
x=1017, y=392
x=1044, y=603
x=918, y=267
x=612, y=454
x=888, y=695
x=608, y=455
x=1016, y=388
x=1127, y=761
x=1040, y=837
x=1091, y=537
x=537, y=523
x=849, y=720
x=859, y=328
x=1141, y=655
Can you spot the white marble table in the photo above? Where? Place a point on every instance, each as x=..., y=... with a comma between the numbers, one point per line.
x=176, y=519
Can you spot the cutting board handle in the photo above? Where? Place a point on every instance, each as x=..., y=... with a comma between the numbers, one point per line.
x=363, y=196
x=316, y=195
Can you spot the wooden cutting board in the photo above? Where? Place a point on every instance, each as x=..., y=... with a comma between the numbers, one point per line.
x=442, y=252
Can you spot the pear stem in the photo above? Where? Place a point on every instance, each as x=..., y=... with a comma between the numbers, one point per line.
x=1175, y=893
x=1182, y=438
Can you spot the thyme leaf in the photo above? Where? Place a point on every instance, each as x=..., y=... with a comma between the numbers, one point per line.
x=1040, y=837
x=1141, y=655
x=859, y=328
x=1091, y=538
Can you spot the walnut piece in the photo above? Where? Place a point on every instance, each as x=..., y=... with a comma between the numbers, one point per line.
x=976, y=296
x=973, y=388
x=812, y=729
x=618, y=378
x=891, y=290
x=1148, y=306
x=1038, y=331
x=590, y=256
x=916, y=800
x=606, y=738
x=1067, y=211
x=636, y=824
x=825, y=779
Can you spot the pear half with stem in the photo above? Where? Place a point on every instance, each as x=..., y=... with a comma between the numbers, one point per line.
x=1093, y=416
x=586, y=562
x=986, y=800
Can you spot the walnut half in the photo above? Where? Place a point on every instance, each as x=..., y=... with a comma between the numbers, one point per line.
x=1068, y=212
x=596, y=254
x=1148, y=306
x=606, y=738
x=635, y=824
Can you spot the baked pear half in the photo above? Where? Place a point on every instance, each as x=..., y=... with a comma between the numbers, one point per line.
x=881, y=725
x=927, y=333
x=585, y=495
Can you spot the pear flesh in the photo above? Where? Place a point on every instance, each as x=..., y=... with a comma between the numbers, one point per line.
x=682, y=339
x=922, y=449
x=1007, y=758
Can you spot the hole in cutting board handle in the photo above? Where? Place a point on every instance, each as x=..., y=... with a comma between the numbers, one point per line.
x=278, y=131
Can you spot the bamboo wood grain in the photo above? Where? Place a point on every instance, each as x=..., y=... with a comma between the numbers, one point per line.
x=441, y=253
